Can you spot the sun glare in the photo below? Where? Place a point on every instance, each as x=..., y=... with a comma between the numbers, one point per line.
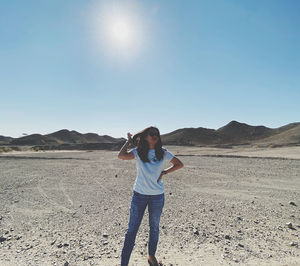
x=117, y=29
x=121, y=32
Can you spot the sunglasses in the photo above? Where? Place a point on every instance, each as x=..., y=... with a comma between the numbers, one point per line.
x=153, y=133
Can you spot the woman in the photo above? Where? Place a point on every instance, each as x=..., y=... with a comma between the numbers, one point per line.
x=148, y=189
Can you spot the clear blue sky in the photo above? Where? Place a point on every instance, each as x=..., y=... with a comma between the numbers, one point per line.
x=175, y=64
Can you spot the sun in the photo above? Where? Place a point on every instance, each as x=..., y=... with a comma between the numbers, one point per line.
x=118, y=29
x=121, y=32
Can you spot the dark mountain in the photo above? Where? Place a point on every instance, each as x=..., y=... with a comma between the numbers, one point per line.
x=66, y=136
x=33, y=139
x=286, y=135
x=63, y=136
x=234, y=133
x=5, y=140
x=193, y=136
x=240, y=132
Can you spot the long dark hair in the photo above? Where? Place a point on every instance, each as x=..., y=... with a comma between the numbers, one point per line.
x=139, y=140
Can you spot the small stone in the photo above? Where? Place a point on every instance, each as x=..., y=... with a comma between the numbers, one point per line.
x=195, y=231
x=293, y=203
x=239, y=218
x=293, y=244
x=227, y=237
x=170, y=193
x=290, y=225
x=240, y=245
x=211, y=210
x=66, y=263
x=116, y=175
x=60, y=245
x=88, y=257
x=2, y=239
x=105, y=235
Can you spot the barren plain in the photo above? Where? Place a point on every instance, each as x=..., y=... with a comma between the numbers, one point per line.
x=236, y=206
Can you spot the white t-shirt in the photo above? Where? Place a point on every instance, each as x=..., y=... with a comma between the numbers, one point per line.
x=148, y=172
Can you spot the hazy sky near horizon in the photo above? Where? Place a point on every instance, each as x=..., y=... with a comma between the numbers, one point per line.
x=113, y=67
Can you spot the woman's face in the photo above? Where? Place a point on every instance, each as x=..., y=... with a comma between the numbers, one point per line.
x=152, y=136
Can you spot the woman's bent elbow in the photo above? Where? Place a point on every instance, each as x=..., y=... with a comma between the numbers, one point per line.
x=179, y=165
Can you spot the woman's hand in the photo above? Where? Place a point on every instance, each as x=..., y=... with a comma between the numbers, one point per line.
x=164, y=172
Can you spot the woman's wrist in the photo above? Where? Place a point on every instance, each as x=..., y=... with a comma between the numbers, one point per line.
x=125, y=146
x=128, y=141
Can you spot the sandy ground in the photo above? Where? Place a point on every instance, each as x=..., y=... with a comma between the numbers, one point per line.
x=222, y=208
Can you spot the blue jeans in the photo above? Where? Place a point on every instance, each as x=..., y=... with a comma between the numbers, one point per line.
x=138, y=205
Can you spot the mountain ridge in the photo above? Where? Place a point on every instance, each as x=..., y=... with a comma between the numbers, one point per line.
x=233, y=133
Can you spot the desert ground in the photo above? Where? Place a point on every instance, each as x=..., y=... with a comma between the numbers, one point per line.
x=236, y=206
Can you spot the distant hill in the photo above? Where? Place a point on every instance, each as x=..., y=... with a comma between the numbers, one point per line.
x=234, y=133
x=64, y=138
x=286, y=135
x=33, y=139
x=192, y=136
x=5, y=140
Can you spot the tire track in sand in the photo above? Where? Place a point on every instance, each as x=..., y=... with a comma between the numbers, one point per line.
x=53, y=203
x=61, y=187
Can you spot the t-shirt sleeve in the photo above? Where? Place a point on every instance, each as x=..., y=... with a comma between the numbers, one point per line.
x=168, y=156
x=134, y=151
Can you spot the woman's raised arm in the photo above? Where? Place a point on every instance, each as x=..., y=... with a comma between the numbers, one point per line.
x=123, y=153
